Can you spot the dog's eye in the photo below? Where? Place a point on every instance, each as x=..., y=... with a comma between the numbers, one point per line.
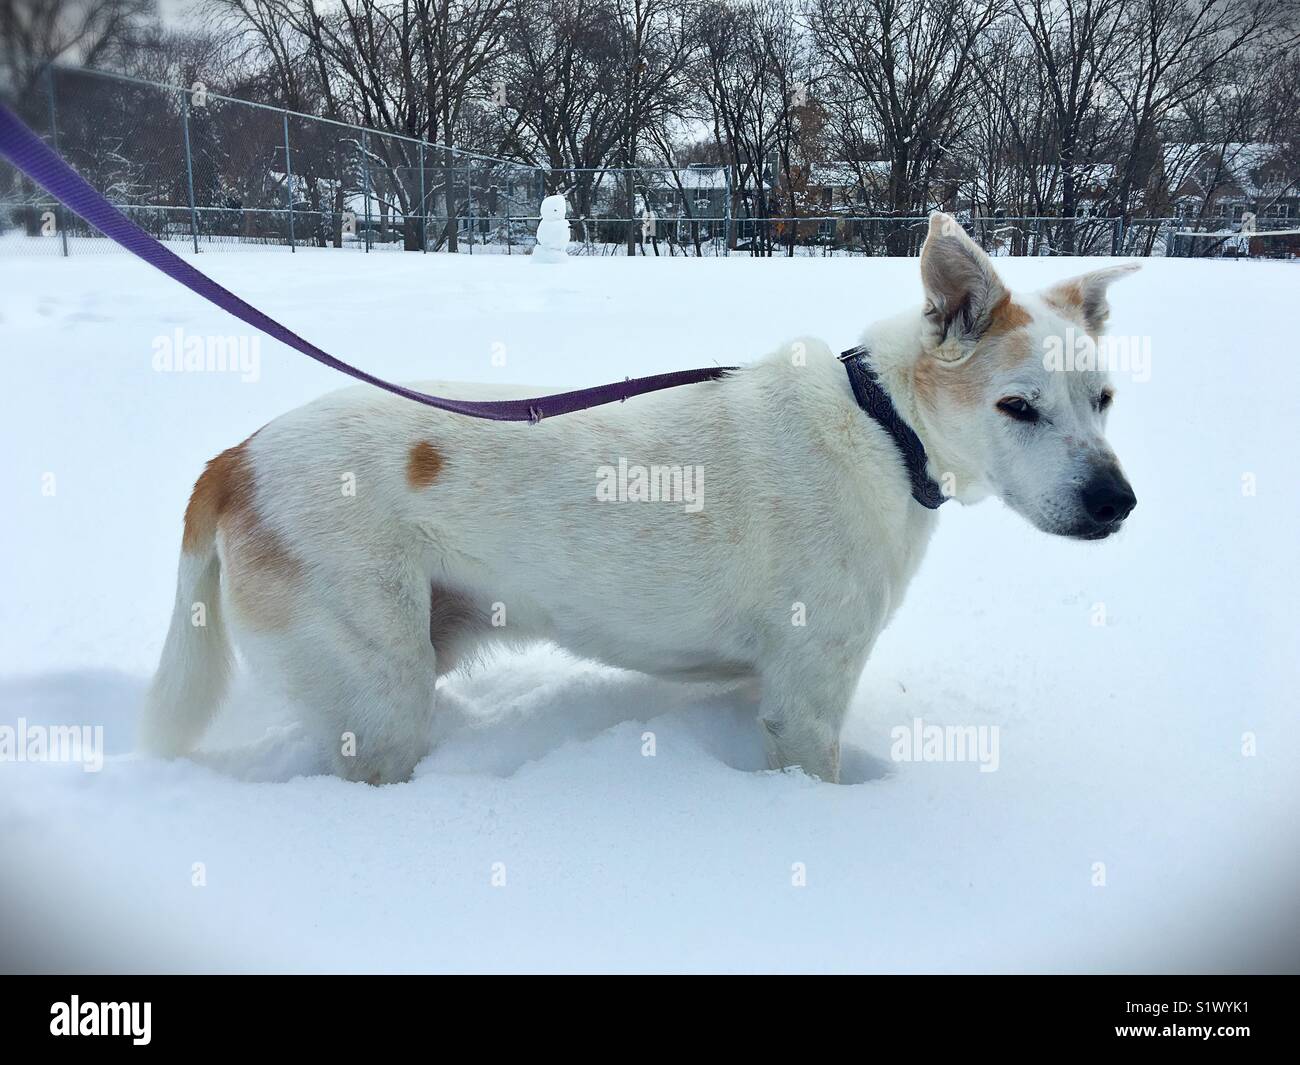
x=1020, y=409
x=1105, y=400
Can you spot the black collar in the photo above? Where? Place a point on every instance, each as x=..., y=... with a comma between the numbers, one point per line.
x=873, y=399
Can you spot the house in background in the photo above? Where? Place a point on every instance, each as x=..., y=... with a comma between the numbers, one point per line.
x=1222, y=182
x=695, y=191
x=1033, y=192
x=837, y=187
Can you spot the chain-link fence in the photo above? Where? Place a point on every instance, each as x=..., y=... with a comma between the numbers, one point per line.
x=202, y=171
x=1270, y=238
x=205, y=172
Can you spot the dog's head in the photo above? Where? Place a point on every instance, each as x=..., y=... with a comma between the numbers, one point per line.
x=994, y=393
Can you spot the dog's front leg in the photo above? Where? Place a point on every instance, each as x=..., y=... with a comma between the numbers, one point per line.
x=801, y=711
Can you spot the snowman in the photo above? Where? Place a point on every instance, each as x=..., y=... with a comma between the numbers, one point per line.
x=553, y=232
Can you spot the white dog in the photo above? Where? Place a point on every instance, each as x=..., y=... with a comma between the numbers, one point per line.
x=762, y=526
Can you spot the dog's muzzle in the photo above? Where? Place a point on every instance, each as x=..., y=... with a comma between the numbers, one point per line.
x=1107, y=498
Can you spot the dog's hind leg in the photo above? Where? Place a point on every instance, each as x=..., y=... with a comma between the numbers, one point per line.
x=362, y=667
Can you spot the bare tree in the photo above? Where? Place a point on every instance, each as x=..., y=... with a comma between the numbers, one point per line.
x=905, y=67
x=655, y=45
x=460, y=42
x=1073, y=41
x=744, y=99
x=1007, y=149
x=786, y=55
x=1173, y=50
x=562, y=86
x=85, y=32
x=412, y=67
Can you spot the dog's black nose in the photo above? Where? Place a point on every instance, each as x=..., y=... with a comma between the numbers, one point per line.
x=1108, y=497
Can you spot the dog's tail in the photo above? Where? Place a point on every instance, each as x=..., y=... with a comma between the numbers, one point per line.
x=196, y=658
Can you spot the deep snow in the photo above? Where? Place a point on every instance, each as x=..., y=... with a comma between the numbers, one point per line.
x=1120, y=743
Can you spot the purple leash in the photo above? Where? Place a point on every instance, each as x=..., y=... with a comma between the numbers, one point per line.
x=26, y=151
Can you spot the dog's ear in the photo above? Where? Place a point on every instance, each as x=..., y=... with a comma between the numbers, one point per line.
x=1083, y=298
x=962, y=290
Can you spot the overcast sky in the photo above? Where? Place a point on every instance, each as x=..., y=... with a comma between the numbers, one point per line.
x=177, y=12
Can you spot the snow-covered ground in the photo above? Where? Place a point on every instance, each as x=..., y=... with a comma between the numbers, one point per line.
x=1121, y=743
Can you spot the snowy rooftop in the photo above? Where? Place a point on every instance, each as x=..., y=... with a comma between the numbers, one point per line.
x=846, y=174
x=707, y=178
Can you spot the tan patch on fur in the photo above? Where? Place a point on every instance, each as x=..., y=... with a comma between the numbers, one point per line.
x=1013, y=350
x=1070, y=299
x=423, y=465
x=1066, y=299
x=1006, y=317
x=1084, y=298
x=223, y=485
x=967, y=382
x=933, y=377
x=260, y=573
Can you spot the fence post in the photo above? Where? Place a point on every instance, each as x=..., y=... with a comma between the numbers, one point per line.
x=424, y=208
x=288, y=181
x=1118, y=237
x=189, y=170
x=453, y=214
x=365, y=180
x=629, y=182
x=60, y=216
x=469, y=199
x=726, y=211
